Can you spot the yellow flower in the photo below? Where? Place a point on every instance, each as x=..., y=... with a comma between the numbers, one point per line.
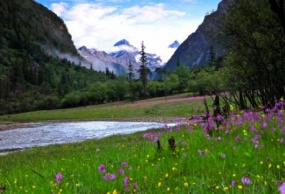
x=261, y=162
x=217, y=187
x=240, y=186
x=185, y=184
x=108, y=192
x=77, y=185
x=115, y=192
x=33, y=186
x=234, y=175
x=278, y=166
x=166, y=175
x=168, y=189
x=269, y=165
x=159, y=184
x=226, y=188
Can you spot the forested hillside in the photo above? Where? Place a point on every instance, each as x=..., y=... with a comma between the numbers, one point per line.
x=33, y=75
x=252, y=70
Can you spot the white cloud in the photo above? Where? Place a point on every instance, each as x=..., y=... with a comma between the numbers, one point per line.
x=98, y=26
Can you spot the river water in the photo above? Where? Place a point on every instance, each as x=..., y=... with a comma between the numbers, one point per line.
x=42, y=134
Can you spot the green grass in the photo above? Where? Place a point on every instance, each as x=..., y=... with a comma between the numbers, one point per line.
x=199, y=163
x=113, y=111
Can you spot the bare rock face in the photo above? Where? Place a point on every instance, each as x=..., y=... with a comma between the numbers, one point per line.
x=195, y=50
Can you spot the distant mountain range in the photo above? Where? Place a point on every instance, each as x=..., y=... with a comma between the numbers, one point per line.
x=118, y=61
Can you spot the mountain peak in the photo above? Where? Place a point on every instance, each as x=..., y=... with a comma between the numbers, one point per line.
x=175, y=44
x=122, y=42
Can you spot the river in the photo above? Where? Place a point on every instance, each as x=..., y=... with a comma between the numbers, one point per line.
x=46, y=133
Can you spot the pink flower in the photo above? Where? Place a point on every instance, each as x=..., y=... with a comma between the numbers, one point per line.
x=245, y=180
x=58, y=177
x=282, y=188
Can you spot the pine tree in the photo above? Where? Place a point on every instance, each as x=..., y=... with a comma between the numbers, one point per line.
x=144, y=71
x=131, y=81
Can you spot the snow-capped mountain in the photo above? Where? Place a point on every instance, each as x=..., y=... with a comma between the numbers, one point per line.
x=100, y=61
x=119, y=59
x=175, y=44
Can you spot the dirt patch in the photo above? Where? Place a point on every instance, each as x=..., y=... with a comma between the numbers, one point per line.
x=145, y=103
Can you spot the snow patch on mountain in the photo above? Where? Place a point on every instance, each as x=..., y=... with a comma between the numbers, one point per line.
x=120, y=56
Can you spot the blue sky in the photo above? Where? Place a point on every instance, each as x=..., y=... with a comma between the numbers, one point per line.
x=101, y=23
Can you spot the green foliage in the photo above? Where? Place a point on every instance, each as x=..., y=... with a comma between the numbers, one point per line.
x=156, y=88
x=183, y=74
x=255, y=62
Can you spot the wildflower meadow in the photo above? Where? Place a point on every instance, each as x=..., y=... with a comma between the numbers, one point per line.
x=245, y=154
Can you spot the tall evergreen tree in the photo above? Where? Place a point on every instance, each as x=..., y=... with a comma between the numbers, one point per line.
x=131, y=76
x=144, y=71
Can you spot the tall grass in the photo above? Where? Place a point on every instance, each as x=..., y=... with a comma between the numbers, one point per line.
x=244, y=155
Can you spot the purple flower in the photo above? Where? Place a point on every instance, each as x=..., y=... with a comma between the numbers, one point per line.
x=109, y=177
x=201, y=153
x=126, y=182
x=223, y=155
x=218, y=138
x=183, y=143
x=105, y=177
x=253, y=129
x=58, y=177
x=273, y=129
x=283, y=130
x=237, y=138
x=102, y=168
x=264, y=124
x=233, y=183
x=282, y=140
x=112, y=177
x=245, y=180
x=136, y=186
x=124, y=164
x=282, y=188
x=121, y=172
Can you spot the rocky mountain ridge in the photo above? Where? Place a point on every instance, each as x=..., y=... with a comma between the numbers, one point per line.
x=118, y=61
x=195, y=50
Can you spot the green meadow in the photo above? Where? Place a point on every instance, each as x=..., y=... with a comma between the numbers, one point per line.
x=245, y=154
x=151, y=108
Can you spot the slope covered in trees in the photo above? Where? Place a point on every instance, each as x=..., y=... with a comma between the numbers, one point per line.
x=32, y=75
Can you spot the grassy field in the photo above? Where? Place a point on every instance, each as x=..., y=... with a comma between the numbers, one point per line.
x=151, y=108
x=243, y=155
